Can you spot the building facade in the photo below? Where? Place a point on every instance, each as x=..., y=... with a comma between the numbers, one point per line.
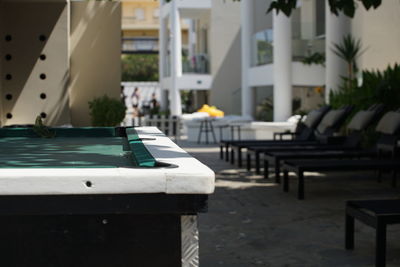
x=257, y=63
x=184, y=64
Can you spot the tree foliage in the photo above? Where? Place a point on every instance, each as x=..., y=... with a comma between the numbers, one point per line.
x=348, y=7
x=140, y=67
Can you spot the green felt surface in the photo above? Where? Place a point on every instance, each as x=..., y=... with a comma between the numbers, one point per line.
x=72, y=148
x=61, y=132
x=63, y=152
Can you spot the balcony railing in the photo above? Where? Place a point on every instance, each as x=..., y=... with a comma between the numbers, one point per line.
x=199, y=64
x=129, y=21
x=140, y=45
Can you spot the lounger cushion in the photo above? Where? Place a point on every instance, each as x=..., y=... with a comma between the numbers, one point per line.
x=361, y=120
x=330, y=119
x=389, y=124
x=312, y=118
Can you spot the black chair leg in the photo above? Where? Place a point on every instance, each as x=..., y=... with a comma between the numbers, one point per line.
x=277, y=172
x=227, y=153
x=349, y=232
x=380, y=257
x=266, y=169
x=257, y=162
x=232, y=158
x=285, y=180
x=300, y=193
x=240, y=164
x=379, y=176
x=394, y=178
x=248, y=161
x=221, y=152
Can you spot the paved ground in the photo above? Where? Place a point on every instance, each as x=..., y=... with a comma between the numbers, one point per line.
x=251, y=222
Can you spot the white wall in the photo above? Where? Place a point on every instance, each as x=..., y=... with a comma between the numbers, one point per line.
x=225, y=57
x=26, y=22
x=95, y=55
x=380, y=34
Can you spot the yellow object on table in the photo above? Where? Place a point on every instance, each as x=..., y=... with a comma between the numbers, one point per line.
x=212, y=111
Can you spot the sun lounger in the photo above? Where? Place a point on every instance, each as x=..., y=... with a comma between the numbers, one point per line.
x=348, y=147
x=388, y=127
x=330, y=124
x=304, y=132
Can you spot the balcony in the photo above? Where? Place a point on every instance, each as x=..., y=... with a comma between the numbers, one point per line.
x=140, y=45
x=262, y=44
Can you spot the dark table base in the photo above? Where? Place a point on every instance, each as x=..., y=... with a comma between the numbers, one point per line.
x=103, y=231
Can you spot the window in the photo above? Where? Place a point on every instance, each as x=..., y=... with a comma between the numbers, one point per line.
x=156, y=13
x=139, y=13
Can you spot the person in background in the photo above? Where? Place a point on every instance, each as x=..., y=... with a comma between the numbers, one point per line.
x=154, y=105
x=135, y=102
x=122, y=95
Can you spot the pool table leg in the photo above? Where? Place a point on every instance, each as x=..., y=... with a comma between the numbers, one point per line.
x=190, y=241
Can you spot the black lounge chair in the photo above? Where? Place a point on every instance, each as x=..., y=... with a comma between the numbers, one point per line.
x=377, y=214
x=388, y=127
x=304, y=132
x=330, y=124
x=360, y=122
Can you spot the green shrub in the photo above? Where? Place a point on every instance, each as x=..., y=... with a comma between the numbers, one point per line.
x=106, y=111
x=377, y=87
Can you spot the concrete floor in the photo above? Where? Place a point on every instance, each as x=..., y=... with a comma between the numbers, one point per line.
x=251, y=222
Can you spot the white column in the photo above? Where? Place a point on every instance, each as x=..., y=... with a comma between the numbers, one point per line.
x=162, y=47
x=192, y=39
x=336, y=28
x=176, y=59
x=246, y=17
x=164, y=100
x=282, y=35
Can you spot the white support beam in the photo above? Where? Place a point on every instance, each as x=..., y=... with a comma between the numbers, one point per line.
x=282, y=37
x=246, y=16
x=336, y=28
x=176, y=60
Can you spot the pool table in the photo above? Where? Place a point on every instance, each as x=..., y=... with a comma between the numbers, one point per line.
x=99, y=197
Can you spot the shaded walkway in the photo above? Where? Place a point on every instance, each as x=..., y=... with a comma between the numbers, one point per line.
x=251, y=222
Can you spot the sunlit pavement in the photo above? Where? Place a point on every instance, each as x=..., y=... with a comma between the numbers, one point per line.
x=251, y=222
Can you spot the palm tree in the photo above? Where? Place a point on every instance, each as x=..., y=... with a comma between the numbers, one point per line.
x=349, y=50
